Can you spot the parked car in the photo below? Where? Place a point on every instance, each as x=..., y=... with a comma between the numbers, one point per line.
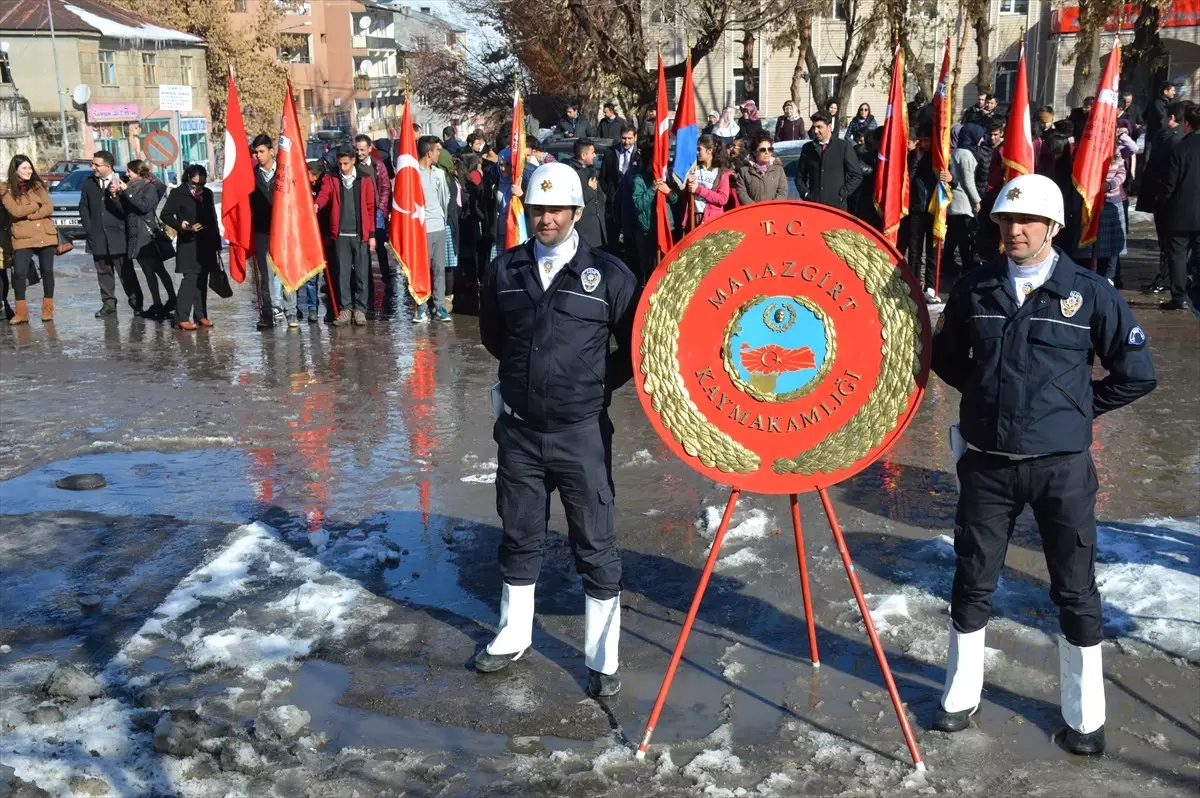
x=65, y=196
x=564, y=149
x=788, y=153
x=61, y=169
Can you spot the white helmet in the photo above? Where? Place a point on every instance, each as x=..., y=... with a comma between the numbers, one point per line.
x=555, y=184
x=1035, y=195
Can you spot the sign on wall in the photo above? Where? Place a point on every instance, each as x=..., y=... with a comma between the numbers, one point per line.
x=175, y=98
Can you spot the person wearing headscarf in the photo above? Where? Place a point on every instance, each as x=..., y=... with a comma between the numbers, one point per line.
x=750, y=123
x=727, y=128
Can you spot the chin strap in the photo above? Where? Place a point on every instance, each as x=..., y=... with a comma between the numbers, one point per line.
x=1051, y=232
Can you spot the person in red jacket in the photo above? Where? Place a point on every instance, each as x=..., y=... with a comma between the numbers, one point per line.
x=369, y=155
x=351, y=198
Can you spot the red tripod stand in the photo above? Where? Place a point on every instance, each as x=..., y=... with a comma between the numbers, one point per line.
x=715, y=551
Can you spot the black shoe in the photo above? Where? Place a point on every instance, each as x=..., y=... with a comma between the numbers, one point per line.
x=952, y=721
x=603, y=685
x=264, y=324
x=156, y=313
x=1090, y=744
x=139, y=313
x=169, y=308
x=1174, y=304
x=1154, y=288
x=105, y=312
x=490, y=663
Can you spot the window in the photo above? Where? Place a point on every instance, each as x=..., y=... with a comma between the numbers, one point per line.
x=1006, y=79
x=295, y=48
x=420, y=43
x=108, y=68
x=841, y=9
x=740, y=95
x=150, y=69
x=831, y=80
x=239, y=6
x=1014, y=7
x=308, y=98
x=186, y=73
x=663, y=12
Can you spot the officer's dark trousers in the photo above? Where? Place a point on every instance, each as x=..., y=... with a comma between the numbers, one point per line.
x=1061, y=489
x=577, y=460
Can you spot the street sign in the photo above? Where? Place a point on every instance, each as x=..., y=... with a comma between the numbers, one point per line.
x=160, y=148
x=175, y=98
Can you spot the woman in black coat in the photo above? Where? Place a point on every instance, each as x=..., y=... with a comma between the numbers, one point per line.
x=140, y=197
x=191, y=211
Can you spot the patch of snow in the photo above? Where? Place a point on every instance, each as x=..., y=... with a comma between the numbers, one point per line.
x=1148, y=571
x=753, y=524
x=641, y=457
x=119, y=30
x=740, y=559
x=480, y=479
x=888, y=613
x=615, y=755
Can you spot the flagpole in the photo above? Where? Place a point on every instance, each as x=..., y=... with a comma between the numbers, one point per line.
x=658, y=256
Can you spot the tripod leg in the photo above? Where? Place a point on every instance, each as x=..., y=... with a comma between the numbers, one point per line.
x=687, y=624
x=901, y=715
x=807, y=595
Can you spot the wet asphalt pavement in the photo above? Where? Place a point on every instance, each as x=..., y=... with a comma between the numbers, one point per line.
x=338, y=439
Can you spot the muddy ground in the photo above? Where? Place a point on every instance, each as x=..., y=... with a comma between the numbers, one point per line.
x=306, y=519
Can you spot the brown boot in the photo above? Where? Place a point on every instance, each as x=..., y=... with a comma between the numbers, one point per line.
x=21, y=315
x=48, y=309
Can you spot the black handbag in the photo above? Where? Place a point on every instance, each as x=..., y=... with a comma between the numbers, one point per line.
x=163, y=245
x=218, y=281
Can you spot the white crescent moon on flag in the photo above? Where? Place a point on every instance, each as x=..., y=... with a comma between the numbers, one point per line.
x=406, y=161
x=231, y=155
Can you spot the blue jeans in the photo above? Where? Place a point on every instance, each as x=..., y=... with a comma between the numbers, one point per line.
x=307, y=295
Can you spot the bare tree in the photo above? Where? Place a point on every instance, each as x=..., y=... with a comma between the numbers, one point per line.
x=794, y=31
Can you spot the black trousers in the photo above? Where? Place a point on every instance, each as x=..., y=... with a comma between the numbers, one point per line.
x=22, y=260
x=1061, y=489
x=108, y=267
x=1178, y=243
x=262, y=247
x=156, y=273
x=577, y=460
x=354, y=271
x=922, y=247
x=193, y=297
x=960, y=237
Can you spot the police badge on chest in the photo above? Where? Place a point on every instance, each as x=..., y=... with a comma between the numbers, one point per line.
x=1071, y=305
x=591, y=279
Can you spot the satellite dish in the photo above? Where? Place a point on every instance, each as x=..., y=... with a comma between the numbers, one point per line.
x=364, y=23
x=82, y=94
x=365, y=67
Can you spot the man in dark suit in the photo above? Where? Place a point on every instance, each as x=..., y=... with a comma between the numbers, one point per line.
x=829, y=171
x=620, y=161
x=610, y=126
x=1181, y=201
x=591, y=226
x=103, y=219
x=1149, y=198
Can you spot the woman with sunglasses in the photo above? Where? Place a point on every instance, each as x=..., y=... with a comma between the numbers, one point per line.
x=861, y=124
x=763, y=178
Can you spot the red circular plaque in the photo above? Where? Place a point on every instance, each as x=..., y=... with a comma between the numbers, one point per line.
x=781, y=348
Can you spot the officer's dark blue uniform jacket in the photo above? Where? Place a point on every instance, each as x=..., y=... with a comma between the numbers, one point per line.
x=555, y=365
x=1025, y=373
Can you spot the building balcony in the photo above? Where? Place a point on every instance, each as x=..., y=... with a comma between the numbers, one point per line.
x=363, y=42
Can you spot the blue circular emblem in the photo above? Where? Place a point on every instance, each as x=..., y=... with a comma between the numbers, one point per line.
x=778, y=348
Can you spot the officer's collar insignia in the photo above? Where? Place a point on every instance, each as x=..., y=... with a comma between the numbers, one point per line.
x=1137, y=336
x=547, y=185
x=1014, y=193
x=591, y=279
x=1071, y=305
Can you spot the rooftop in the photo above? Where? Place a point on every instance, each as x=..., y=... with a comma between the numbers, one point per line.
x=87, y=17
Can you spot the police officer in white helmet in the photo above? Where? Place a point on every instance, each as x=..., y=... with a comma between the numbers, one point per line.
x=1017, y=339
x=548, y=310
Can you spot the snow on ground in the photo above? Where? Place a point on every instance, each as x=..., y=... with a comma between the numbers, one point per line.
x=484, y=470
x=640, y=458
x=750, y=524
x=1148, y=573
x=255, y=606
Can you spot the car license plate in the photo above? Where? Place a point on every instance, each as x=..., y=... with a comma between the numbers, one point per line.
x=66, y=221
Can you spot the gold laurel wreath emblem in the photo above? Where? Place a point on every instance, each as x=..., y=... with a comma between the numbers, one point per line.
x=660, y=358
x=865, y=430
x=901, y=350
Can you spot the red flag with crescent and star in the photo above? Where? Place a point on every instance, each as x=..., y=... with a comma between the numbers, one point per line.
x=237, y=182
x=891, y=171
x=1017, y=149
x=1096, y=149
x=406, y=225
x=297, y=254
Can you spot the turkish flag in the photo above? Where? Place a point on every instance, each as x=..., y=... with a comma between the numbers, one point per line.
x=662, y=155
x=296, y=251
x=943, y=118
x=515, y=229
x=1017, y=150
x=237, y=181
x=891, y=171
x=1095, y=149
x=406, y=225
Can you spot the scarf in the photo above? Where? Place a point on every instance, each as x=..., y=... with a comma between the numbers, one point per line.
x=762, y=168
x=197, y=191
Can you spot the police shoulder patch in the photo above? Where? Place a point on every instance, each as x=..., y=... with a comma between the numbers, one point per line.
x=1137, y=336
x=1071, y=305
x=591, y=279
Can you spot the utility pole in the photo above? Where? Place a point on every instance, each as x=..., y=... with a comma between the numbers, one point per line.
x=62, y=113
